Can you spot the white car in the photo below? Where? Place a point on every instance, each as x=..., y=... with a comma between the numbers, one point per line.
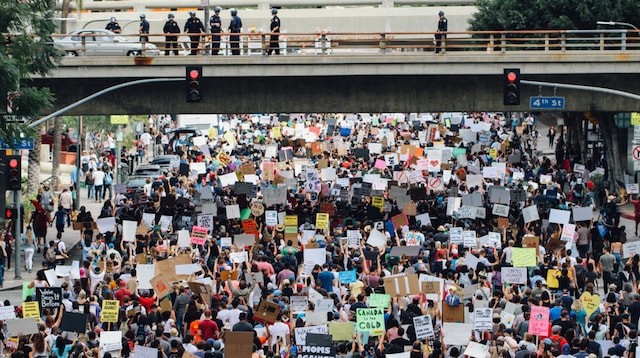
x=100, y=42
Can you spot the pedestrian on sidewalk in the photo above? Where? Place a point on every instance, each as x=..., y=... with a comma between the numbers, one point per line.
x=40, y=222
x=29, y=248
x=3, y=257
x=60, y=218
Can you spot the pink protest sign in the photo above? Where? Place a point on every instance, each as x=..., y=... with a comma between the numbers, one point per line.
x=199, y=235
x=380, y=164
x=539, y=321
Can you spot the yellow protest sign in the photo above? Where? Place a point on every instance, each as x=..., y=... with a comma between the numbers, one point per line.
x=524, y=257
x=493, y=152
x=377, y=202
x=224, y=159
x=322, y=221
x=31, y=309
x=276, y=132
x=635, y=118
x=110, y=310
x=230, y=137
x=291, y=220
x=552, y=278
x=213, y=133
x=119, y=119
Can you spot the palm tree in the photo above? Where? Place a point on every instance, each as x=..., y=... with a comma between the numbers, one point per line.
x=57, y=147
x=33, y=181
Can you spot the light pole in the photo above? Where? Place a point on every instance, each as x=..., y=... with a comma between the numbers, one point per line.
x=616, y=23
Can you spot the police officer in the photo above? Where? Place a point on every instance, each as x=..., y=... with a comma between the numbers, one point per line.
x=113, y=26
x=171, y=27
x=194, y=26
x=275, y=28
x=216, y=27
x=144, y=28
x=235, y=26
x=441, y=32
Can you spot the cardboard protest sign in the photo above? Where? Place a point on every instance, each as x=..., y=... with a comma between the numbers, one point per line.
x=402, y=284
x=160, y=285
x=452, y=313
x=267, y=312
x=235, y=344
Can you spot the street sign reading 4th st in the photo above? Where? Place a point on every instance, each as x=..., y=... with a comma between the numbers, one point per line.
x=546, y=102
x=18, y=143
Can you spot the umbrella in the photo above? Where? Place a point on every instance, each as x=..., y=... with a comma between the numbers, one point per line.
x=38, y=207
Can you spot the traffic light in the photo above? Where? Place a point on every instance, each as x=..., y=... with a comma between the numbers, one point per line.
x=10, y=214
x=194, y=75
x=511, y=86
x=13, y=172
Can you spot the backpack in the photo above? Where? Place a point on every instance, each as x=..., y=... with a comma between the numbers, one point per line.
x=108, y=179
x=141, y=335
x=50, y=255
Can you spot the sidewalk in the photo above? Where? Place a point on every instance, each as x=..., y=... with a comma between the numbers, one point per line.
x=70, y=237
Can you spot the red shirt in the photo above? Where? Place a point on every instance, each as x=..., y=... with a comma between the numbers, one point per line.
x=208, y=329
x=119, y=295
x=146, y=302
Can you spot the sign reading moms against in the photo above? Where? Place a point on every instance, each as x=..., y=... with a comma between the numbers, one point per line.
x=370, y=320
x=49, y=297
x=110, y=310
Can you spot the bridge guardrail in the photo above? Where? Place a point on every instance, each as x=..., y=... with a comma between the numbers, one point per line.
x=326, y=43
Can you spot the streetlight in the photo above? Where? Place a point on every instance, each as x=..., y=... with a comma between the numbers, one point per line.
x=616, y=23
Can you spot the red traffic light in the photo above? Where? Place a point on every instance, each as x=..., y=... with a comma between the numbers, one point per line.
x=8, y=214
x=194, y=74
x=512, y=76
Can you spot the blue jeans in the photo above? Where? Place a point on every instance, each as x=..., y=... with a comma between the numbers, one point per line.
x=1, y=274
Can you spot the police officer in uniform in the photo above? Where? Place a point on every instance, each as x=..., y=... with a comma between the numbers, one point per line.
x=235, y=27
x=144, y=28
x=216, y=27
x=275, y=28
x=113, y=26
x=194, y=26
x=441, y=32
x=171, y=27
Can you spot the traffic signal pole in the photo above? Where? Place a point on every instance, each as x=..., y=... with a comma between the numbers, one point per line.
x=17, y=228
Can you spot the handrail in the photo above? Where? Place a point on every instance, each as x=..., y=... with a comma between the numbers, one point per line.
x=393, y=42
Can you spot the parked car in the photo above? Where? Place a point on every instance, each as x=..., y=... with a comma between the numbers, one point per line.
x=148, y=171
x=99, y=42
x=164, y=161
x=69, y=141
x=135, y=184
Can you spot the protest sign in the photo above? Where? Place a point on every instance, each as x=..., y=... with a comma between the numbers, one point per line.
x=353, y=238
x=129, y=230
x=530, y=213
x=377, y=239
x=456, y=334
x=74, y=322
x=559, y=216
x=23, y=326
x=567, y=232
x=145, y=273
x=198, y=235
x=341, y=331
x=317, y=256
x=453, y=314
x=402, y=284
x=523, y=257
x=111, y=341
x=160, y=285
x=477, y=350
x=455, y=235
x=267, y=312
x=110, y=310
x=582, y=214
x=301, y=333
x=379, y=300
x=235, y=344
x=299, y=304
x=49, y=297
x=539, y=321
x=631, y=248
x=31, y=310
x=517, y=275
x=483, y=319
x=370, y=320
x=347, y=277
x=322, y=221
x=423, y=327
x=8, y=312
x=469, y=239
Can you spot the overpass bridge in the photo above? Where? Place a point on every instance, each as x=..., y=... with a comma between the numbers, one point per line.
x=381, y=72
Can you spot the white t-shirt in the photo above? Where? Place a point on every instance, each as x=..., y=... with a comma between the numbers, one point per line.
x=98, y=178
x=278, y=329
x=96, y=279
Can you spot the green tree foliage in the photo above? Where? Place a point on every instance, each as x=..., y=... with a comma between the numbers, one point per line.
x=26, y=50
x=497, y=15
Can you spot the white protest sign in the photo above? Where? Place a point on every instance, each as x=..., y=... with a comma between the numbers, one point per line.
x=455, y=235
x=559, y=216
x=318, y=256
x=301, y=333
x=582, y=213
x=423, y=326
x=129, y=230
x=144, y=275
x=353, y=238
x=567, y=232
x=271, y=217
x=516, y=275
x=184, y=238
x=631, y=248
x=530, y=213
x=483, y=319
x=376, y=238
x=469, y=239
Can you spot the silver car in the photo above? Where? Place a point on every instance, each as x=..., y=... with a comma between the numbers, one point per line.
x=103, y=43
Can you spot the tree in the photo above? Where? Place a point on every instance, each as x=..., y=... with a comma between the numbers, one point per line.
x=501, y=15
x=26, y=50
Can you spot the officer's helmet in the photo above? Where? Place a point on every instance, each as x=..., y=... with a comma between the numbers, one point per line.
x=441, y=13
x=234, y=12
x=192, y=13
x=170, y=16
x=113, y=19
x=142, y=16
x=274, y=11
x=217, y=9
